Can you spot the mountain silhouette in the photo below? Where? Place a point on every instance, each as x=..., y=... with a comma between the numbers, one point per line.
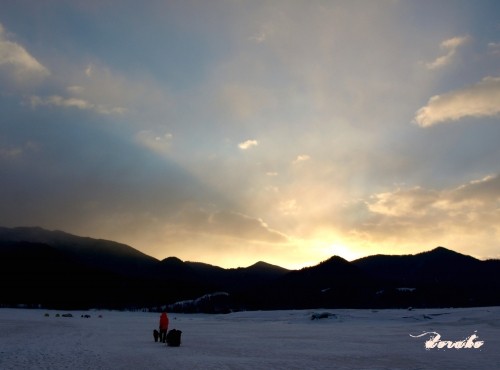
x=439, y=277
x=59, y=270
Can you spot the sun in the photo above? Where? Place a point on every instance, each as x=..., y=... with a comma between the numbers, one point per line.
x=325, y=247
x=342, y=250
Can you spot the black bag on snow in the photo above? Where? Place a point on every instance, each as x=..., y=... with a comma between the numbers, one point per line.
x=174, y=338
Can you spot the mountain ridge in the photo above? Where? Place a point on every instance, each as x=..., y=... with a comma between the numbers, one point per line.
x=39, y=234
x=54, y=268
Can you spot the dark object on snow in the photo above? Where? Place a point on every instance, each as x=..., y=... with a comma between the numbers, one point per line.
x=174, y=338
x=323, y=315
x=156, y=335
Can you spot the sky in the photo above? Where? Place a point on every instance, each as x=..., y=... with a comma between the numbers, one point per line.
x=231, y=131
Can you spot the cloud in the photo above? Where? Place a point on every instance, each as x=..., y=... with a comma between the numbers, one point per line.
x=75, y=89
x=135, y=98
x=301, y=158
x=401, y=202
x=419, y=202
x=242, y=226
x=112, y=92
x=450, y=46
x=17, y=63
x=403, y=214
x=59, y=101
x=484, y=192
x=228, y=223
x=13, y=152
x=158, y=143
x=289, y=207
x=479, y=100
x=248, y=144
x=256, y=75
x=88, y=70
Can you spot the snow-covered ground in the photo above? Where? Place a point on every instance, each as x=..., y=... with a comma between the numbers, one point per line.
x=353, y=339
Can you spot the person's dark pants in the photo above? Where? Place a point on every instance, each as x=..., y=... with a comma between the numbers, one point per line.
x=163, y=335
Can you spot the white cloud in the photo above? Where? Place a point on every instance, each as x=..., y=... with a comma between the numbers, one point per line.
x=59, y=101
x=301, y=158
x=402, y=202
x=454, y=216
x=248, y=144
x=450, y=46
x=17, y=62
x=477, y=197
x=479, y=100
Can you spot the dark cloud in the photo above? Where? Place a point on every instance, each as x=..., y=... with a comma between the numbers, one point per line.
x=63, y=162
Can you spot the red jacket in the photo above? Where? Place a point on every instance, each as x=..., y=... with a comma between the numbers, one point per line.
x=163, y=321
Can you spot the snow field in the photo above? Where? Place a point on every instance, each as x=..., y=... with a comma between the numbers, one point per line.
x=352, y=339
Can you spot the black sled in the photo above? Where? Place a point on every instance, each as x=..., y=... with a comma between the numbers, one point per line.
x=174, y=338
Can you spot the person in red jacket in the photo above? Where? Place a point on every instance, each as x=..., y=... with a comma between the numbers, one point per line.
x=163, y=327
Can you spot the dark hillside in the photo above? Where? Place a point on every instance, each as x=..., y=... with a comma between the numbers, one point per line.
x=56, y=269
